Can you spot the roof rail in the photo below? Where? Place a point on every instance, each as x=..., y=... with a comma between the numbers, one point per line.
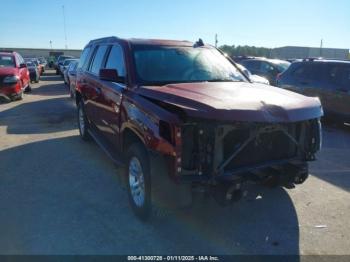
x=310, y=59
x=107, y=39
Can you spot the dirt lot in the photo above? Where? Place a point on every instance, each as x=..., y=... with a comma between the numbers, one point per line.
x=60, y=195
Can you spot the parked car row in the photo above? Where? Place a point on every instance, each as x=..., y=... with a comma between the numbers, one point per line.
x=39, y=63
x=59, y=63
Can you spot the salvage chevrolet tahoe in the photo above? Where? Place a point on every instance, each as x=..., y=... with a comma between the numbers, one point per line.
x=180, y=116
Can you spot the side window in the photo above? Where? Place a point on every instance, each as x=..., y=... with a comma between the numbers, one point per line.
x=116, y=60
x=266, y=67
x=300, y=71
x=98, y=59
x=71, y=66
x=334, y=74
x=310, y=71
x=251, y=65
x=339, y=75
x=83, y=61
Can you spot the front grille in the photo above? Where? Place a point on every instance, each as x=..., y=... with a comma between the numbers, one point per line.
x=273, y=145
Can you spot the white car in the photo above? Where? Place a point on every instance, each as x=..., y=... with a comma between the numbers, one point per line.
x=253, y=78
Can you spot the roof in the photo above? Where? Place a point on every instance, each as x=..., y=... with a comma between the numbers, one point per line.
x=6, y=53
x=139, y=41
x=265, y=59
x=325, y=61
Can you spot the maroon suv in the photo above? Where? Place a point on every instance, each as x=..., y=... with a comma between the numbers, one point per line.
x=14, y=76
x=181, y=117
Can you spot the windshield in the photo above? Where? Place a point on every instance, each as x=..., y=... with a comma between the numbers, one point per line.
x=160, y=65
x=281, y=65
x=30, y=64
x=7, y=61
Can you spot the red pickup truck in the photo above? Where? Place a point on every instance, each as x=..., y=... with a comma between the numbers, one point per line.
x=14, y=76
x=181, y=117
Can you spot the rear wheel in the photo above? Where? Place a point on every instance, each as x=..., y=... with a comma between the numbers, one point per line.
x=28, y=88
x=139, y=181
x=83, y=123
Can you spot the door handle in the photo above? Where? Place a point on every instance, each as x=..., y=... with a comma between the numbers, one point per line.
x=304, y=83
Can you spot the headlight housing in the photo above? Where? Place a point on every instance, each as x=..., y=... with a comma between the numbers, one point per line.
x=11, y=79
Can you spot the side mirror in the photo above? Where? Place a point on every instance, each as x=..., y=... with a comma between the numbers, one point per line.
x=108, y=74
x=22, y=65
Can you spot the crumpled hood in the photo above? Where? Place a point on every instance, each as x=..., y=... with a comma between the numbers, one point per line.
x=236, y=101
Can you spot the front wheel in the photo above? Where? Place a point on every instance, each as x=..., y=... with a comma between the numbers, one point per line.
x=83, y=123
x=139, y=181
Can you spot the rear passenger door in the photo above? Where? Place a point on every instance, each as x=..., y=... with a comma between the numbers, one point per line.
x=308, y=79
x=112, y=93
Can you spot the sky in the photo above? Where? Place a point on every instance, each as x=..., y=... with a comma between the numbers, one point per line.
x=265, y=23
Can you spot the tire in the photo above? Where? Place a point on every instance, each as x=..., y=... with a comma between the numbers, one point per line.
x=28, y=88
x=83, y=123
x=72, y=94
x=138, y=180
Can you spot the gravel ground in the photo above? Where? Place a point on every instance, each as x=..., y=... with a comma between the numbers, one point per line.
x=60, y=195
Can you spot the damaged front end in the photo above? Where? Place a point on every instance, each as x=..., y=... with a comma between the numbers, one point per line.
x=222, y=156
x=231, y=133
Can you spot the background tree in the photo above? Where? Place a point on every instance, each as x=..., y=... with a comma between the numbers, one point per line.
x=245, y=50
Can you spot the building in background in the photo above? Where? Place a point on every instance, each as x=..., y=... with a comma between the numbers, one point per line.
x=41, y=52
x=290, y=52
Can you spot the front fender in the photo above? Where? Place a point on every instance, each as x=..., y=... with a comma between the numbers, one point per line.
x=142, y=117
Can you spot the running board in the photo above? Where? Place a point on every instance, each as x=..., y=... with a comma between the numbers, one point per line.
x=103, y=144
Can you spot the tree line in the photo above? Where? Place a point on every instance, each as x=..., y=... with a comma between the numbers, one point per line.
x=245, y=50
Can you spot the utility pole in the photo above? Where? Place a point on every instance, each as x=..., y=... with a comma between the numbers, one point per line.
x=321, y=46
x=51, y=44
x=64, y=27
x=216, y=40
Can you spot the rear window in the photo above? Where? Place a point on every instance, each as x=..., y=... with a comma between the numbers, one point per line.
x=7, y=61
x=63, y=58
x=98, y=59
x=251, y=64
x=67, y=62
